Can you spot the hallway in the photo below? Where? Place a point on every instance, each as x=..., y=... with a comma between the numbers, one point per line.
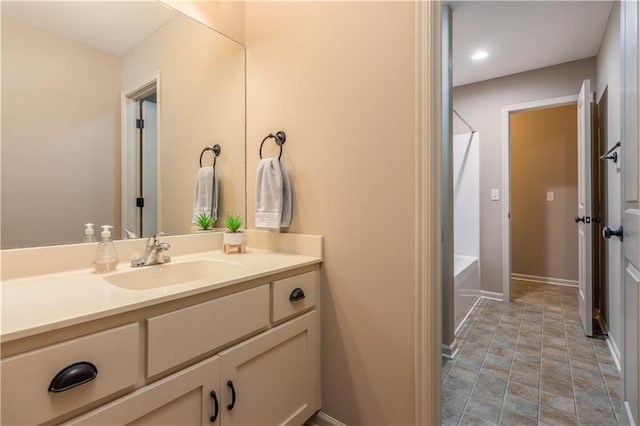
x=528, y=362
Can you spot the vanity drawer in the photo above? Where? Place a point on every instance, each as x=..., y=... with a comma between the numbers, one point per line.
x=282, y=293
x=184, y=334
x=26, y=377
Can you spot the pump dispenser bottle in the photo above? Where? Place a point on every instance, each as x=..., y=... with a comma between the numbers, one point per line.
x=88, y=233
x=106, y=258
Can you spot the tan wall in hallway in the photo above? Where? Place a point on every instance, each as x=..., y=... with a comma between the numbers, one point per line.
x=338, y=77
x=544, y=238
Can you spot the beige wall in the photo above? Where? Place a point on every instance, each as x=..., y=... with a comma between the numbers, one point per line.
x=227, y=17
x=481, y=105
x=338, y=77
x=60, y=142
x=544, y=238
x=609, y=78
x=202, y=103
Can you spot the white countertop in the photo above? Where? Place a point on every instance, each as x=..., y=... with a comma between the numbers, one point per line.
x=47, y=302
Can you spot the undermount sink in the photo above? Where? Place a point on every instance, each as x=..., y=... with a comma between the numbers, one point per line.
x=156, y=276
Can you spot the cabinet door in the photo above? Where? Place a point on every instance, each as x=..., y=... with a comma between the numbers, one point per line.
x=274, y=376
x=184, y=398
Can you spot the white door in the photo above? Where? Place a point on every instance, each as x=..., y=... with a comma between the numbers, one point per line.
x=585, y=230
x=630, y=205
x=149, y=169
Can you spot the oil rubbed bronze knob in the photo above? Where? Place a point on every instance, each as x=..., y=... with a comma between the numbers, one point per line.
x=73, y=375
x=297, y=294
x=608, y=232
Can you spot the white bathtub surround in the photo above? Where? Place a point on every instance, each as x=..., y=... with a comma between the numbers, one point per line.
x=467, y=287
x=466, y=194
x=466, y=217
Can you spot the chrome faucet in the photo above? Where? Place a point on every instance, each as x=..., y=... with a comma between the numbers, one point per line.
x=153, y=254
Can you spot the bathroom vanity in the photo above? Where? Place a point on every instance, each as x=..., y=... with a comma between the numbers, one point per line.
x=140, y=345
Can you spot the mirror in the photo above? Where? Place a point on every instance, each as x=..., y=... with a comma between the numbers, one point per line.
x=74, y=77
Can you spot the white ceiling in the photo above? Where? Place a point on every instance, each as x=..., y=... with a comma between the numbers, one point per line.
x=114, y=26
x=523, y=35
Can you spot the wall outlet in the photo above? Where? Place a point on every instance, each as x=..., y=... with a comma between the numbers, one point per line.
x=551, y=196
x=495, y=195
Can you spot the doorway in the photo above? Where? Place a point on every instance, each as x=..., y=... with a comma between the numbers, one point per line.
x=543, y=195
x=140, y=146
x=525, y=222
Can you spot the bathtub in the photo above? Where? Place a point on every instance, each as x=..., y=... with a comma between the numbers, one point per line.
x=466, y=286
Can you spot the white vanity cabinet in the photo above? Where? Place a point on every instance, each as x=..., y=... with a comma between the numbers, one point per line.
x=273, y=376
x=244, y=355
x=190, y=397
x=28, y=377
x=270, y=379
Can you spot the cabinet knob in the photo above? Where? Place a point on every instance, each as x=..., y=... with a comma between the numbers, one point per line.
x=72, y=376
x=296, y=294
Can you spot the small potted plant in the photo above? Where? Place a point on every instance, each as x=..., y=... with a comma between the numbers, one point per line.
x=205, y=221
x=233, y=236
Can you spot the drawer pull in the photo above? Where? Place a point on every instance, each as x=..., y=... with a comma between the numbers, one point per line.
x=233, y=395
x=297, y=294
x=72, y=376
x=215, y=407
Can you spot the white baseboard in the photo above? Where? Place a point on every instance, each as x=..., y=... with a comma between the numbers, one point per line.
x=615, y=352
x=467, y=316
x=544, y=280
x=629, y=416
x=450, y=351
x=491, y=295
x=322, y=419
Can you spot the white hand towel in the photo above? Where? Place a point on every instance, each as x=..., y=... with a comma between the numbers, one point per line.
x=204, y=194
x=286, y=198
x=273, y=195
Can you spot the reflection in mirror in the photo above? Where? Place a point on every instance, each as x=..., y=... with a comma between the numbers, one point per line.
x=75, y=78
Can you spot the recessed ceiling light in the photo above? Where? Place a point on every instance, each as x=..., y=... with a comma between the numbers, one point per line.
x=479, y=55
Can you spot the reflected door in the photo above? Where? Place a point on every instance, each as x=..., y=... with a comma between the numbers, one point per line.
x=149, y=168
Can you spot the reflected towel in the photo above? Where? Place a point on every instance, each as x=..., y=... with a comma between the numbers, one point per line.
x=273, y=195
x=204, y=196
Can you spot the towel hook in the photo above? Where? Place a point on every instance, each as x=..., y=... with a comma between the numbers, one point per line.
x=216, y=151
x=280, y=137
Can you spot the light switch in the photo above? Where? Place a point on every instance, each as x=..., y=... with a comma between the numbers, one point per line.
x=551, y=196
x=495, y=195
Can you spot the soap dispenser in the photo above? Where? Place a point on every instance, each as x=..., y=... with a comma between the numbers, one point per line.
x=88, y=233
x=106, y=258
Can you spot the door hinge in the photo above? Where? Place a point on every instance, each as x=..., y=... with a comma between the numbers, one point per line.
x=139, y=123
x=139, y=202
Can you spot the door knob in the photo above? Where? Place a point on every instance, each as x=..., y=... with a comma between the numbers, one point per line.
x=579, y=219
x=608, y=232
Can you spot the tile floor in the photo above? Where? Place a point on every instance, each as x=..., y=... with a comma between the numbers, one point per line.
x=528, y=362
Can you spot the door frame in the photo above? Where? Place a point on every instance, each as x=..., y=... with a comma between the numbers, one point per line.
x=129, y=155
x=506, y=178
x=427, y=213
